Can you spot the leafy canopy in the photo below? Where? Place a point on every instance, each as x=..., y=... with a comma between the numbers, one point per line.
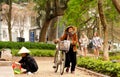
x=77, y=11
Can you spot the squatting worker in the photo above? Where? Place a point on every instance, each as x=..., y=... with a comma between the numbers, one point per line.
x=27, y=62
x=71, y=35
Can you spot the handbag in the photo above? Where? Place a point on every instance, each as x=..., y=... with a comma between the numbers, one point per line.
x=64, y=45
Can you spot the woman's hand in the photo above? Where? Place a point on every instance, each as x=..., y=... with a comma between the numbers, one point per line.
x=17, y=63
x=56, y=41
x=71, y=41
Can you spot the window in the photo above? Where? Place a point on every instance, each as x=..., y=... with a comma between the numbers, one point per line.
x=4, y=34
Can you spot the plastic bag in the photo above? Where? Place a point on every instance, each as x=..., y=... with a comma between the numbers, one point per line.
x=16, y=67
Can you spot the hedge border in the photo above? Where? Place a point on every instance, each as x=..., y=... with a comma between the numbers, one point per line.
x=104, y=67
x=29, y=45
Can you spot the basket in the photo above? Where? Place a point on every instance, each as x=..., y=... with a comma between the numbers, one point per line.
x=64, y=45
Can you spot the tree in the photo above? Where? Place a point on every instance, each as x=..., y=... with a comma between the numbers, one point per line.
x=21, y=20
x=52, y=9
x=21, y=17
x=0, y=5
x=113, y=19
x=105, y=28
x=89, y=7
x=16, y=17
x=116, y=3
x=51, y=34
x=9, y=14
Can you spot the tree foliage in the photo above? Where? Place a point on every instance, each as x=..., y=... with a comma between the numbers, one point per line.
x=110, y=12
x=80, y=11
x=77, y=11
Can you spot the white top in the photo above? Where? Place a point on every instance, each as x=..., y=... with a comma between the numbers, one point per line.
x=83, y=42
x=97, y=41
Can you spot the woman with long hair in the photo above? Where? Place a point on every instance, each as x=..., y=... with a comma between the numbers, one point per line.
x=83, y=42
x=97, y=43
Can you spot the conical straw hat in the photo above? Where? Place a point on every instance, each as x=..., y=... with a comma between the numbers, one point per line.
x=24, y=50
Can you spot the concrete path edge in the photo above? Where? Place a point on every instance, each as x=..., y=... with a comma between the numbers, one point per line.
x=92, y=72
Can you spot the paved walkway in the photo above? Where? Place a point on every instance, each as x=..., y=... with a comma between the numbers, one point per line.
x=46, y=70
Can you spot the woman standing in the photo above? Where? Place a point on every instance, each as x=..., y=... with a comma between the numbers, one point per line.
x=83, y=42
x=97, y=43
x=71, y=35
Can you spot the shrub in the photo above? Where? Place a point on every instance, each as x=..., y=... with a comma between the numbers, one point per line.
x=36, y=52
x=29, y=45
x=105, y=67
x=117, y=57
x=114, y=55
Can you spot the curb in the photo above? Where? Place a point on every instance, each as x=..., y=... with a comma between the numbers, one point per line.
x=91, y=72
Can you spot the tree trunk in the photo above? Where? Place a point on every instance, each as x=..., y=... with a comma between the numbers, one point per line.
x=78, y=31
x=9, y=20
x=0, y=7
x=52, y=30
x=38, y=20
x=105, y=26
x=51, y=12
x=99, y=26
x=42, y=36
x=112, y=31
x=116, y=3
x=43, y=32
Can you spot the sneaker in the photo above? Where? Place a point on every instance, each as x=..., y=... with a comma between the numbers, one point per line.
x=29, y=73
x=67, y=69
x=54, y=66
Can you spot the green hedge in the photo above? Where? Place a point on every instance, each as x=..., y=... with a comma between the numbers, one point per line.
x=29, y=45
x=36, y=52
x=105, y=67
x=114, y=55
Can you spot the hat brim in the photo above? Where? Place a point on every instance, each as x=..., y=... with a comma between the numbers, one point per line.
x=23, y=50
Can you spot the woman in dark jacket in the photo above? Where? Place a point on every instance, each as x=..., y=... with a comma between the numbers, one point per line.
x=27, y=62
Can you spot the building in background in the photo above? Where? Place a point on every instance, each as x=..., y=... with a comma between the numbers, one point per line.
x=0, y=19
x=21, y=23
x=24, y=27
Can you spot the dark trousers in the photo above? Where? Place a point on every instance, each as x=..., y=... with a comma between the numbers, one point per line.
x=71, y=58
